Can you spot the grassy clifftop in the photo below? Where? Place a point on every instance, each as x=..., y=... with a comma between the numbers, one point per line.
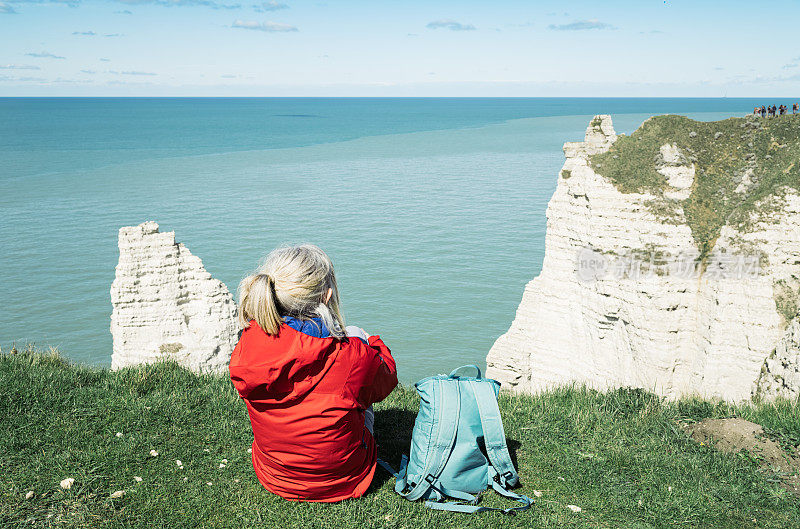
x=764, y=152
x=620, y=456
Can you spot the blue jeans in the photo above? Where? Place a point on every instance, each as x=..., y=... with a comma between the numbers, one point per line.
x=369, y=419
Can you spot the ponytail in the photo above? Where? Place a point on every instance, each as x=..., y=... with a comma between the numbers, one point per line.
x=292, y=281
x=257, y=301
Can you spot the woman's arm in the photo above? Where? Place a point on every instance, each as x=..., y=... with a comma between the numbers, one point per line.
x=380, y=373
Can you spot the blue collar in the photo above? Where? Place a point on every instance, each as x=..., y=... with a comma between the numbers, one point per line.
x=313, y=327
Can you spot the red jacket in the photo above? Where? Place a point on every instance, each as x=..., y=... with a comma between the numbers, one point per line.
x=306, y=398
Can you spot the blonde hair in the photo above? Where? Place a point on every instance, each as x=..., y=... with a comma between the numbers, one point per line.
x=292, y=281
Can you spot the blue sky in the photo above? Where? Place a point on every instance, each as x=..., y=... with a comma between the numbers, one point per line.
x=398, y=48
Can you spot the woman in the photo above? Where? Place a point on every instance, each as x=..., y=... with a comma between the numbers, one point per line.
x=308, y=387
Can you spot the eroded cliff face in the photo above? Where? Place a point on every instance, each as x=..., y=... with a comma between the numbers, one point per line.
x=166, y=305
x=643, y=284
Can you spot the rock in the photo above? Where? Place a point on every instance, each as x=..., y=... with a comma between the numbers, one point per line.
x=780, y=374
x=166, y=305
x=29, y=495
x=678, y=170
x=747, y=181
x=67, y=483
x=117, y=494
x=607, y=312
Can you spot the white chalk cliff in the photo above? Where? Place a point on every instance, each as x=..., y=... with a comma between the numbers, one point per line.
x=593, y=317
x=166, y=305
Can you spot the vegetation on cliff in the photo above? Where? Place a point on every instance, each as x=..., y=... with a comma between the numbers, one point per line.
x=620, y=456
x=743, y=167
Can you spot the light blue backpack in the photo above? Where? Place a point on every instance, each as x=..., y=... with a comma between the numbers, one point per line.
x=457, y=427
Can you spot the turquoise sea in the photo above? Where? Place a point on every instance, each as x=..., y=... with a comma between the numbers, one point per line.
x=433, y=210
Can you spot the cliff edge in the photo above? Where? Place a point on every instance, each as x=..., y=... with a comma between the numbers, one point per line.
x=672, y=263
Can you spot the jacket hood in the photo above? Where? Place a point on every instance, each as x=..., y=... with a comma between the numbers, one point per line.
x=280, y=369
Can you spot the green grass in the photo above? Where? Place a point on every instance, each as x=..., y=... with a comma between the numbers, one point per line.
x=614, y=454
x=722, y=152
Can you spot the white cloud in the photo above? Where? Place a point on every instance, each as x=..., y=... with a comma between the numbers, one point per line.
x=44, y=55
x=132, y=72
x=6, y=9
x=580, y=25
x=269, y=27
x=123, y=12
x=18, y=67
x=88, y=71
x=272, y=5
x=452, y=25
x=182, y=3
x=70, y=3
x=87, y=33
x=776, y=79
x=22, y=79
x=63, y=80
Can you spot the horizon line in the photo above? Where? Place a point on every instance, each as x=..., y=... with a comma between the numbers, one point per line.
x=381, y=97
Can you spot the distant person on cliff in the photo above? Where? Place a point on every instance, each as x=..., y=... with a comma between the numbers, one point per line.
x=756, y=111
x=794, y=108
x=308, y=382
x=763, y=111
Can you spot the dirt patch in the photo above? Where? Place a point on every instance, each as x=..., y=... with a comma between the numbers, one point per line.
x=734, y=435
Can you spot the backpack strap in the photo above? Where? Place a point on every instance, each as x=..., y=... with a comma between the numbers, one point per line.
x=494, y=435
x=400, y=474
x=471, y=508
x=447, y=416
x=453, y=506
x=500, y=489
x=456, y=370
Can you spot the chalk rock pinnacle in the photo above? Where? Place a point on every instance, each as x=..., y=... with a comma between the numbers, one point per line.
x=166, y=305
